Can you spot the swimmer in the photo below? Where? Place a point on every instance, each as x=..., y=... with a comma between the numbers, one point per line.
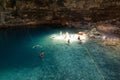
x=41, y=54
x=80, y=41
x=68, y=41
x=61, y=33
x=36, y=46
x=78, y=37
x=53, y=37
x=66, y=35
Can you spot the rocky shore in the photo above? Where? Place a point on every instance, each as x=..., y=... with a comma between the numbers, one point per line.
x=107, y=39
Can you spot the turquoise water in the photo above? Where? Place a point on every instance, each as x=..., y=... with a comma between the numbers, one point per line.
x=61, y=61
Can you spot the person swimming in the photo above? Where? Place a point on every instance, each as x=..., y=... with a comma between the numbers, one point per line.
x=36, y=46
x=41, y=54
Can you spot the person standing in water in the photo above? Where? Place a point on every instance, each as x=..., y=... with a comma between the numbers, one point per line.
x=60, y=33
x=68, y=41
x=66, y=35
x=79, y=39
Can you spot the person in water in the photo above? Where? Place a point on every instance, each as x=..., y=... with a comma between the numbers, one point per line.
x=61, y=33
x=41, y=54
x=78, y=37
x=68, y=41
x=36, y=46
x=66, y=35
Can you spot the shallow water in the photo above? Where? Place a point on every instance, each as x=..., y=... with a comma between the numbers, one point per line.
x=61, y=61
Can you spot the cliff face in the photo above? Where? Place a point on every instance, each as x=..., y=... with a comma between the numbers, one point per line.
x=69, y=4
x=89, y=10
x=82, y=4
x=95, y=9
x=88, y=4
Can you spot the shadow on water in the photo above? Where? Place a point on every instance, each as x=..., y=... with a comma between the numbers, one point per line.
x=15, y=48
x=17, y=52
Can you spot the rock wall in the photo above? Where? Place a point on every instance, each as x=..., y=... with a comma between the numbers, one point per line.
x=74, y=11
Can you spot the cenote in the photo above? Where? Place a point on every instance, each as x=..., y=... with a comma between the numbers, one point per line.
x=20, y=60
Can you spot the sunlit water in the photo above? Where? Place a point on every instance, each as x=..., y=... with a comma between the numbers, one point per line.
x=19, y=60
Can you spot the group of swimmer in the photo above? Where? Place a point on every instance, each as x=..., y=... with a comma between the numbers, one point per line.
x=68, y=37
x=41, y=54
